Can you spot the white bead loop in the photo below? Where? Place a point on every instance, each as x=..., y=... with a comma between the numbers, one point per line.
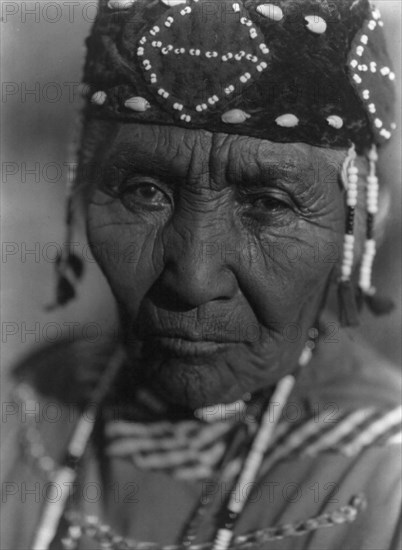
x=137, y=103
x=376, y=14
x=359, y=50
x=173, y=3
x=270, y=11
x=335, y=121
x=235, y=116
x=99, y=98
x=120, y=4
x=316, y=24
x=287, y=121
x=229, y=90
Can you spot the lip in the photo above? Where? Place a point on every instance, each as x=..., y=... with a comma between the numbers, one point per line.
x=188, y=347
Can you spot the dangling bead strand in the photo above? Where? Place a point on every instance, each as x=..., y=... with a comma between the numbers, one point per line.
x=346, y=294
x=379, y=305
x=372, y=209
x=351, y=202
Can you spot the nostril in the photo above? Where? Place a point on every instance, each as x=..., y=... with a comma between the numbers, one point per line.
x=169, y=299
x=182, y=288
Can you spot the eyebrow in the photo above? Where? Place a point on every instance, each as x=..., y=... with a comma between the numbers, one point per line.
x=262, y=173
x=128, y=159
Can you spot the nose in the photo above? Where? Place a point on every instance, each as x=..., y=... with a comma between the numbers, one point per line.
x=195, y=268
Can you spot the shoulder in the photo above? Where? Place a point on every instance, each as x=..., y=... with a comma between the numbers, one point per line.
x=65, y=372
x=348, y=373
x=50, y=389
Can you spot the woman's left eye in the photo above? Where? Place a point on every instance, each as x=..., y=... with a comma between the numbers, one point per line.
x=269, y=203
x=272, y=202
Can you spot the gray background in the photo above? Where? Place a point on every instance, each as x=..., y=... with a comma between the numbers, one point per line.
x=44, y=52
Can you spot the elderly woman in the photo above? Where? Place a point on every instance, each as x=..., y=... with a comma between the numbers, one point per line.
x=231, y=147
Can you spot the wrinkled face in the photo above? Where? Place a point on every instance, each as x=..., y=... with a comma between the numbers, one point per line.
x=219, y=250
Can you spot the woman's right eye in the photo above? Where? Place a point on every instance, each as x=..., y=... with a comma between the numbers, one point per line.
x=139, y=193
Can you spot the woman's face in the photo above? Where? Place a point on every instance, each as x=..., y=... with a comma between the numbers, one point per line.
x=219, y=250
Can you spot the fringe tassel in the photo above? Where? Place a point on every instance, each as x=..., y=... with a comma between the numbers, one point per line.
x=69, y=269
x=379, y=305
x=348, y=308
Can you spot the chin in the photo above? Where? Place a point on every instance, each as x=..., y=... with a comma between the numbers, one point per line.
x=195, y=378
x=193, y=382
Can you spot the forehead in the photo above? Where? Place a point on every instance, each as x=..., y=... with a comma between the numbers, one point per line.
x=169, y=149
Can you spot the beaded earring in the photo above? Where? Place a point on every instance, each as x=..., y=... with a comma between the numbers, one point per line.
x=69, y=267
x=372, y=209
x=346, y=294
x=378, y=305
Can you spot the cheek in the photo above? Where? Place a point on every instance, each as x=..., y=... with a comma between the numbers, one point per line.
x=287, y=274
x=128, y=252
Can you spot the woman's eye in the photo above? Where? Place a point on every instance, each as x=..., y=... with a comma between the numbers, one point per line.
x=270, y=203
x=144, y=194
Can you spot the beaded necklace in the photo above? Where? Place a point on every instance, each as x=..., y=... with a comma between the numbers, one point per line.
x=231, y=468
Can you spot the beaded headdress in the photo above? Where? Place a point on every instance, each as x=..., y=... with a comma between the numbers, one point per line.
x=311, y=71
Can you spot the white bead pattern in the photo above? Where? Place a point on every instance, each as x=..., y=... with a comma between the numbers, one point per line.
x=243, y=78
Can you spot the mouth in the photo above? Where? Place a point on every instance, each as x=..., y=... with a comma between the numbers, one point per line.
x=185, y=347
x=187, y=344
